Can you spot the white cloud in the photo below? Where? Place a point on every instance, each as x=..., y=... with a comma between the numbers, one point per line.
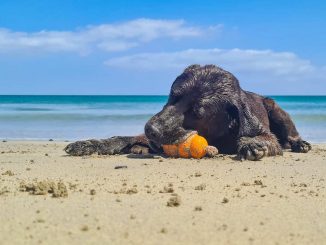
x=108, y=37
x=262, y=71
x=236, y=60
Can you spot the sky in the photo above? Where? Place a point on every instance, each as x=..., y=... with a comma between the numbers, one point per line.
x=104, y=47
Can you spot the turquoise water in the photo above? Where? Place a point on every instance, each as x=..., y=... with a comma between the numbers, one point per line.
x=81, y=117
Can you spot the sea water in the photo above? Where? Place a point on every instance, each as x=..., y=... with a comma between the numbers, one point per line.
x=83, y=117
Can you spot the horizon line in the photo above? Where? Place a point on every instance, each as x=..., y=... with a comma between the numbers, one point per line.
x=141, y=95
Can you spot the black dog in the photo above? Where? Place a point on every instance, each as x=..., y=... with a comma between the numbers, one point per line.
x=209, y=100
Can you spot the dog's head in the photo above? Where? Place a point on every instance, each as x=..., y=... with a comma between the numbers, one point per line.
x=198, y=99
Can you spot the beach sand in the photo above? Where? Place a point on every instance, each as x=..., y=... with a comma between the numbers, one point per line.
x=87, y=200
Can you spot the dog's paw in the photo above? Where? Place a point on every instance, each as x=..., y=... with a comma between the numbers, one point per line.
x=251, y=149
x=80, y=148
x=138, y=149
x=300, y=146
x=111, y=146
x=253, y=152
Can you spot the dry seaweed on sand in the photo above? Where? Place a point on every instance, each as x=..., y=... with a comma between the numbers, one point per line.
x=57, y=189
x=174, y=201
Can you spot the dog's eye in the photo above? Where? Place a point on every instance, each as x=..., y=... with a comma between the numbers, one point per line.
x=199, y=111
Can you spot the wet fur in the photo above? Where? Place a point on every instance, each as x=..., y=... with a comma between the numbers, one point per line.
x=209, y=100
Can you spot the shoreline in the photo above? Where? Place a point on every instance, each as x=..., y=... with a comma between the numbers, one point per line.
x=118, y=200
x=66, y=141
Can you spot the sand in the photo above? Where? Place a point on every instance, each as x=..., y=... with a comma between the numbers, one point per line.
x=47, y=197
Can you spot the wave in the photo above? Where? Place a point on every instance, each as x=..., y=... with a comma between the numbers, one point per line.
x=72, y=117
x=31, y=109
x=304, y=118
x=80, y=99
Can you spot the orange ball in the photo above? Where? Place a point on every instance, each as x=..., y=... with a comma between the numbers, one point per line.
x=194, y=146
x=198, y=147
x=185, y=147
x=171, y=150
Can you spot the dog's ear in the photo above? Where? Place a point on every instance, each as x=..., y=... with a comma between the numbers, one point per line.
x=240, y=121
x=248, y=124
x=234, y=119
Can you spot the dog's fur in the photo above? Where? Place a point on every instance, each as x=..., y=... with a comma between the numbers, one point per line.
x=209, y=100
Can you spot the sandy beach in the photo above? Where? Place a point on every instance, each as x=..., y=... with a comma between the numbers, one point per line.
x=47, y=197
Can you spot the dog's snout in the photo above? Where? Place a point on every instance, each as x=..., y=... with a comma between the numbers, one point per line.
x=151, y=131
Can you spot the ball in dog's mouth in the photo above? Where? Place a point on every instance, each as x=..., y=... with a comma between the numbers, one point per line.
x=194, y=146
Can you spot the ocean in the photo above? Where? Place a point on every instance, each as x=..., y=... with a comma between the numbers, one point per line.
x=82, y=117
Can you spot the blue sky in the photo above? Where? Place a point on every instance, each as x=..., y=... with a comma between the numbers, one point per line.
x=139, y=47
